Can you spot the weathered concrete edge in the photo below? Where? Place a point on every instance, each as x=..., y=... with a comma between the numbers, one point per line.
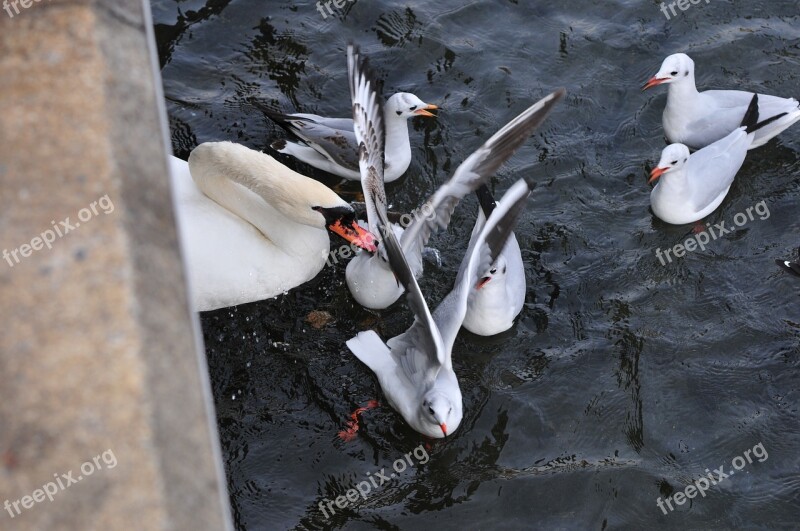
x=187, y=441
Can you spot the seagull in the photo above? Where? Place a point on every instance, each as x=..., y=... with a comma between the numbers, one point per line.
x=698, y=119
x=499, y=296
x=415, y=369
x=369, y=276
x=791, y=267
x=693, y=186
x=250, y=227
x=329, y=144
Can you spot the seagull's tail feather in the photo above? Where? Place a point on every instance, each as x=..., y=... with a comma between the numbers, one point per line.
x=750, y=120
x=372, y=351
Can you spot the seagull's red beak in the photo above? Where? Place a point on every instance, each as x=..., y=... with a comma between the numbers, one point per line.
x=655, y=174
x=355, y=234
x=654, y=82
x=444, y=428
x=482, y=282
x=424, y=111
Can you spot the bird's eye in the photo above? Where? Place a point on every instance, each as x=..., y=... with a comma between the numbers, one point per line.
x=493, y=270
x=399, y=113
x=675, y=73
x=674, y=162
x=431, y=410
x=414, y=108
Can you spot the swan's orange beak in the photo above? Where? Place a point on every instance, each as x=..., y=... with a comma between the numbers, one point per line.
x=654, y=82
x=355, y=234
x=655, y=174
x=444, y=428
x=424, y=111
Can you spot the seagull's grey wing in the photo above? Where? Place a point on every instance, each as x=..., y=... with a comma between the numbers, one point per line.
x=370, y=133
x=345, y=124
x=337, y=144
x=477, y=169
x=419, y=351
x=712, y=169
x=482, y=253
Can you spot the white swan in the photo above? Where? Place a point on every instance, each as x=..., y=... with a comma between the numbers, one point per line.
x=250, y=227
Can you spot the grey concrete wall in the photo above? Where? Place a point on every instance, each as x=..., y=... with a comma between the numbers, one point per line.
x=100, y=358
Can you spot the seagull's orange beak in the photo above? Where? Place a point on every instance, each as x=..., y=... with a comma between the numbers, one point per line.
x=655, y=174
x=355, y=234
x=424, y=111
x=654, y=82
x=482, y=282
x=444, y=428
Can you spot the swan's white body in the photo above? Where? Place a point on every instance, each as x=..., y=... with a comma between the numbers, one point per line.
x=259, y=236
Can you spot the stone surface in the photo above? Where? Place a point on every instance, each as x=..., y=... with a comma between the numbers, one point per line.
x=99, y=351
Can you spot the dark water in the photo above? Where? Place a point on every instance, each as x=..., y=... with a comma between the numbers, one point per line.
x=623, y=380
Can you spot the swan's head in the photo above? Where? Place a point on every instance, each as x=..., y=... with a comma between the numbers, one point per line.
x=440, y=417
x=407, y=105
x=673, y=158
x=341, y=220
x=497, y=271
x=675, y=68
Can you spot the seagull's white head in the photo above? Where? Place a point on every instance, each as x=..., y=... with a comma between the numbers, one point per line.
x=440, y=417
x=673, y=158
x=675, y=68
x=496, y=273
x=406, y=105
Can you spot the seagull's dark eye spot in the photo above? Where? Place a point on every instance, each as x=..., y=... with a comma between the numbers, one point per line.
x=684, y=160
x=675, y=73
x=674, y=162
x=399, y=113
x=686, y=73
x=414, y=108
x=504, y=270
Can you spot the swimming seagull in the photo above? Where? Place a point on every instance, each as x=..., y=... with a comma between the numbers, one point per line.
x=499, y=296
x=369, y=277
x=329, y=144
x=693, y=186
x=415, y=369
x=698, y=119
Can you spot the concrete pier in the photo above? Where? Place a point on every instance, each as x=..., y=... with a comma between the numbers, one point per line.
x=102, y=365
